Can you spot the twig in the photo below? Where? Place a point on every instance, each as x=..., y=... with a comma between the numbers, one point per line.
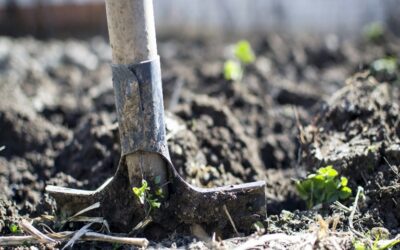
x=66, y=235
x=141, y=225
x=42, y=238
x=391, y=167
x=46, y=228
x=99, y=220
x=231, y=220
x=77, y=235
x=281, y=237
x=334, y=243
x=353, y=211
x=340, y=206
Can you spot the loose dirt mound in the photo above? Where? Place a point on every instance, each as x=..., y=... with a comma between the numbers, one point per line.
x=357, y=131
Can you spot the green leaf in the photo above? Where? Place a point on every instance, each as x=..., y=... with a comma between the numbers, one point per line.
x=145, y=186
x=358, y=245
x=258, y=225
x=233, y=70
x=14, y=228
x=159, y=192
x=387, y=64
x=141, y=191
x=345, y=193
x=244, y=52
x=391, y=244
x=325, y=186
x=374, y=31
x=343, y=181
x=154, y=203
x=328, y=171
x=303, y=192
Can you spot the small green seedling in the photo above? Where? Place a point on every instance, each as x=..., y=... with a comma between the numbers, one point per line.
x=385, y=65
x=243, y=55
x=374, y=31
x=233, y=70
x=144, y=195
x=259, y=227
x=244, y=52
x=376, y=245
x=324, y=186
x=14, y=229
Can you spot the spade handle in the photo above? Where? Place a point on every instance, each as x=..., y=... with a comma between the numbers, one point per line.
x=131, y=30
x=133, y=40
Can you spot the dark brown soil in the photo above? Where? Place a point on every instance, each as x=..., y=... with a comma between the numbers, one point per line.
x=292, y=113
x=357, y=131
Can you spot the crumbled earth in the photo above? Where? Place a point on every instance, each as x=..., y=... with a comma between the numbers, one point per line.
x=293, y=111
x=357, y=131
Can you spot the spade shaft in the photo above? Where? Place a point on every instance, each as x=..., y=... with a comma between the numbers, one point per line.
x=133, y=40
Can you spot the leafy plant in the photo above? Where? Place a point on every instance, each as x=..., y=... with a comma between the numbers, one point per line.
x=243, y=55
x=374, y=31
x=324, y=186
x=376, y=245
x=233, y=70
x=244, y=52
x=145, y=197
x=386, y=65
x=14, y=228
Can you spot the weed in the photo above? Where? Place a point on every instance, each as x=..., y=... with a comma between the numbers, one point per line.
x=145, y=197
x=374, y=32
x=233, y=70
x=14, y=229
x=244, y=52
x=376, y=244
x=243, y=55
x=358, y=245
x=324, y=186
x=385, y=65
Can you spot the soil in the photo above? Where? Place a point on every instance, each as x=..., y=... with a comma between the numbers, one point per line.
x=306, y=102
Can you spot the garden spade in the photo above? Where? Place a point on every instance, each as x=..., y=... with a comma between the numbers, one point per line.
x=144, y=152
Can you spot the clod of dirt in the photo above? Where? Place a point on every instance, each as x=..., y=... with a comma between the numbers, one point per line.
x=8, y=215
x=92, y=152
x=357, y=132
x=22, y=129
x=222, y=138
x=30, y=143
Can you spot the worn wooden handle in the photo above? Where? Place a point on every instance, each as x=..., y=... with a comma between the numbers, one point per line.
x=131, y=30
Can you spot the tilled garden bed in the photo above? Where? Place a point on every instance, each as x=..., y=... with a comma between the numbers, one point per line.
x=305, y=103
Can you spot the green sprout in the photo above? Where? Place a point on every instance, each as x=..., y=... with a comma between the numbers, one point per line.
x=243, y=55
x=233, y=70
x=244, y=52
x=386, y=65
x=324, y=186
x=144, y=195
x=376, y=245
x=374, y=31
x=14, y=228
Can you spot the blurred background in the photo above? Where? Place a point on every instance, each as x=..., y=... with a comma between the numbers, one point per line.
x=66, y=18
